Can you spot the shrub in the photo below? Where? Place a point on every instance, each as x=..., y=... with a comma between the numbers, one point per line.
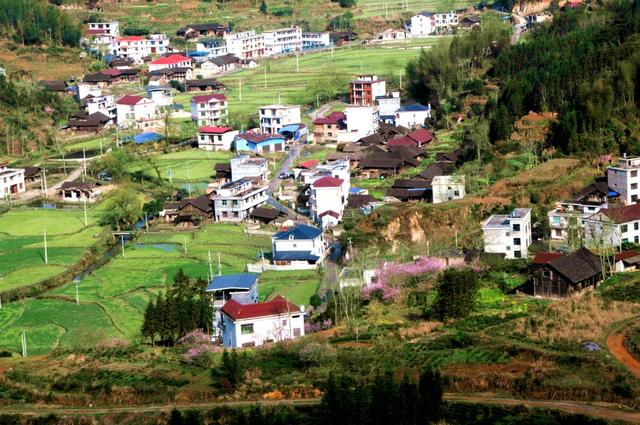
x=317, y=353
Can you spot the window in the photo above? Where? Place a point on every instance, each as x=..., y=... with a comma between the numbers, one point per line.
x=246, y=329
x=224, y=202
x=634, y=198
x=547, y=274
x=296, y=332
x=634, y=186
x=556, y=220
x=516, y=227
x=636, y=239
x=634, y=173
x=517, y=254
x=516, y=241
x=284, y=322
x=624, y=228
x=635, y=226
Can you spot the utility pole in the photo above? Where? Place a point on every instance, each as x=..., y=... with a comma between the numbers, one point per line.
x=86, y=222
x=122, y=244
x=101, y=153
x=44, y=182
x=279, y=100
x=210, y=266
x=77, y=292
x=46, y=254
x=84, y=163
x=317, y=100
x=185, y=243
x=24, y=344
x=386, y=11
x=265, y=77
x=146, y=222
x=240, y=90
x=456, y=240
x=427, y=248
x=170, y=175
x=297, y=62
x=219, y=265
x=64, y=163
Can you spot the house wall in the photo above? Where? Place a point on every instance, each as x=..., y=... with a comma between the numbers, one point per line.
x=284, y=40
x=314, y=246
x=270, y=145
x=361, y=121
x=327, y=199
x=238, y=208
x=213, y=112
x=411, y=119
x=265, y=329
x=504, y=239
x=216, y=142
x=273, y=120
x=11, y=181
x=548, y=283
x=448, y=188
x=137, y=115
x=625, y=181
x=600, y=230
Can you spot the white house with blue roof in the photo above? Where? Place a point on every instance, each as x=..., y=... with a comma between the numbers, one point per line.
x=302, y=246
x=412, y=115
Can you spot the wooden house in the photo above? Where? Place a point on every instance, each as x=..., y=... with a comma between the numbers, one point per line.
x=567, y=275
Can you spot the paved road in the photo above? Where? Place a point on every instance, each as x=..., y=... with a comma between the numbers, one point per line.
x=30, y=195
x=602, y=410
x=285, y=168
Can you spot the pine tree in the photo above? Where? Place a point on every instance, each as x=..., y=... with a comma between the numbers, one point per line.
x=430, y=394
x=263, y=7
x=150, y=322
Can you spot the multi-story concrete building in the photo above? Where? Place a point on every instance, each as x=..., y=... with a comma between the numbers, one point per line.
x=168, y=62
x=245, y=45
x=137, y=112
x=508, y=234
x=365, y=89
x=111, y=29
x=314, y=40
x=11, y=180
x=234, y=201
x=161, y=95
x=388, y=105
x=274, y=117
x=326, y=129
x=282, y=40
x=327, y=200
x=245, y=166
x=613, y=226
x=137, y=47
x=301, y=245
x=624, y=179
x=428, y=23
x=209, y=110
x=216, y=138
x=361, y=121
x=105, y=104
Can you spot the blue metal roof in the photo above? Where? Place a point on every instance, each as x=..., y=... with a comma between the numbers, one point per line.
x=414, y=107
x=147, y=137
x=233, y=281
x=295, y=256
x=301, y=231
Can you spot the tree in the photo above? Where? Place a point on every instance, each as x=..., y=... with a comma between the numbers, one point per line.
x=263, y=7
x=122, y=209
x=430, y=394
x=456, y=293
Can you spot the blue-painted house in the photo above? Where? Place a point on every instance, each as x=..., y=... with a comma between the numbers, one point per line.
x=301, y=245
x=259, y=142
x=295, y=132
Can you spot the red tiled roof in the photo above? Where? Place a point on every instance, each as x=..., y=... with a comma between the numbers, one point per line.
x=259, y=137
x=170, y=60
x=421, y=135
x=114, y=72
x=213, y=130
x=546, y=257
x=310, y=163
x=277, y=306
x=332, y=118
x=331, y=213
x=95, y=32
x=129, y=99
x=623, y=214
x=626, y=254
x=208, y=97
x=327, y=181
x=403, y=141
x=131, y=38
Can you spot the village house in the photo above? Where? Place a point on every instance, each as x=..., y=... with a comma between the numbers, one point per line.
x=301, y=245
x=407, y=190
x=108, y=77
x=569, y=215
x=213, y=47
x=470, y=21
x=259, y=142
x=209, y=110
x=32, y=176
x=240, y=287
x=315, y=40
x=104, y=104
x=447, y=188
x=361, y=121
x=216, y=138
x=245, y=166
x=136, y=111
x=236, y=200
x=417, y=138
x=325, y=130
x=205, y=84
x=282, y=41
x=110, y=28
x=273, y=117
x=412, y=115
x=508, y=234
x=192, y=31
x=11, y=180
x=264, y=215
x=567, y=275
x=58, y=86
x=171, y=61
x=166, y=75
x=252, y=325
x=327, y=201
x=623, y=178
x=87, y=89
x=429, y=23
x=364, y=90
x=89, y=122
x=137, y=47
x=218, y=65
x=392, y=34
x=245, y=45
x=162, y=96
x=192, y=212
x=77, y=191
x=340, y=38
x=388, y=105
x=613, y=226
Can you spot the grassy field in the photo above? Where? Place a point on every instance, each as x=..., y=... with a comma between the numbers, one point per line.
x=22, y=243
x=113, y=298
x=186, y=166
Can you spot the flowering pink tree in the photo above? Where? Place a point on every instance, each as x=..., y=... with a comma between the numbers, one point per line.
x=199, y=347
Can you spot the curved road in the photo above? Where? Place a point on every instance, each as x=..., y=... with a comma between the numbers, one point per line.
x=602, y=410
x=615, y=344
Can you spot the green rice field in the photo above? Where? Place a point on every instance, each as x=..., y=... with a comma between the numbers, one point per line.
x=183, y=166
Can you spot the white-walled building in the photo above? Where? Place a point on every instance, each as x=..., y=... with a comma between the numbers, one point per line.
x=301, y=244
x=252, y=325
x=86, y=89
x=235, y=200
x=327, y=201
x=216, y=138
x=613, y=226
x=161, y=95
x=508, y=234
x=168, y=62
x=245, y=45
x=11, y=180
x=139, y=112
x=313, y=40
x=361, y=121
x=274, y=117
x=428, y=23
x=447, y=188
x=111, y=28
x=105, y=104
x=245, y=166
x=137, y=47
x=388, y=105
x=213, y=47
x=624, y=179
x=413, y=115
x=282, y=40
x=210, y=109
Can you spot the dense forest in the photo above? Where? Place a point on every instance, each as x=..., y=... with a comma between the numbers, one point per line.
x=31, y=22
x=585, y=66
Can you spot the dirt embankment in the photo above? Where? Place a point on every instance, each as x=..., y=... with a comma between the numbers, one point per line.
x=615, y=344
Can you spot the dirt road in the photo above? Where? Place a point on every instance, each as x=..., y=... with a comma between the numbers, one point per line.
x=602, y=410
x=615, y=344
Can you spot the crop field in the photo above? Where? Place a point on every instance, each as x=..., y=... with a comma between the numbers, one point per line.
x=22, y=260
x=112, y=299
x=321, y=73
x=394, y=9
x=186, y=166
